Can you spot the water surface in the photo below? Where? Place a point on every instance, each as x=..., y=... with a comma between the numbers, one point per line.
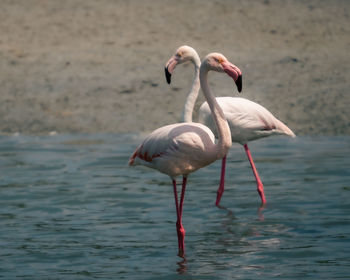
x=71, y=208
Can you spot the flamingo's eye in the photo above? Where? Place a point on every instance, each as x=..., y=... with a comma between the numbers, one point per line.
x=220, y=60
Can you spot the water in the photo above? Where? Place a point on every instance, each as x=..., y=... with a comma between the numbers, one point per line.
x=71, y=208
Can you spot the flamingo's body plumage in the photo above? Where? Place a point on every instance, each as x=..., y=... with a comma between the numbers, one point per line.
x=248, y=120
x=177, y=149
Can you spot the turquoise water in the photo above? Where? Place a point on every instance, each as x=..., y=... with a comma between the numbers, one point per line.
x=71, y=208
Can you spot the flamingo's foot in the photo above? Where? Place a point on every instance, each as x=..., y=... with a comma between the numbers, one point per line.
x=261, y=212
x=218, y=196
x=181, y=253
x=260, y=189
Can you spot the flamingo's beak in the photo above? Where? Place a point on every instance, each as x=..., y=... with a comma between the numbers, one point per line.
x=234, y=72
x=167, y=75
x=239, y=83
x=169, y=68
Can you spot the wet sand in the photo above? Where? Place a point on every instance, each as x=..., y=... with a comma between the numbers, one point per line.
x=97, y=66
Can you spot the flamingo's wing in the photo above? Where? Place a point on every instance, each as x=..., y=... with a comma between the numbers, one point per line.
x=175, y=149
x=246, y=121
x=244, y=113
x=236, y=120
x=154, y=145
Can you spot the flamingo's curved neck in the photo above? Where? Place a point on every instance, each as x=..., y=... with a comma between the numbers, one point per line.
x=193, y=94
x=224, y=134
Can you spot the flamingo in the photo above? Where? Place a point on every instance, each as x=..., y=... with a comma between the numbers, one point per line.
x=247, y=120
x=182, y=148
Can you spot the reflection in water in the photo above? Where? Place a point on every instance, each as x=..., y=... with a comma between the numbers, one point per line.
x=225, y=208
x=240, y=229
x=182, y=266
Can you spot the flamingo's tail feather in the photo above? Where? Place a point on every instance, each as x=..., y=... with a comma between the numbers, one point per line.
x=132, y=158
x=285, y=129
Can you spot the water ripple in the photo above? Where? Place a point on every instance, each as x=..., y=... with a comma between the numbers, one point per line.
x=71, y=208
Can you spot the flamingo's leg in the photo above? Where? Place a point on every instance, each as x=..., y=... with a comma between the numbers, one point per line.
x=260, y=187
x=177, y=212
x=179, y=228
x=221, y=188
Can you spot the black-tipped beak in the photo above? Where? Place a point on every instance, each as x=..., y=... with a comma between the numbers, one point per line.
x=167, y=75
x=239, y=83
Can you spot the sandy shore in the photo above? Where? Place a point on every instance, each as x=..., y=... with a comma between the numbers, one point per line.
x=97, y=66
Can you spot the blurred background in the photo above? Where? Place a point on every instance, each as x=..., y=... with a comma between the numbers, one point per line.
x=88, y=66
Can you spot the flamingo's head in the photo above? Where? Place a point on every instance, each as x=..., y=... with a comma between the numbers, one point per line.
x=219, y=63
x=182, y=54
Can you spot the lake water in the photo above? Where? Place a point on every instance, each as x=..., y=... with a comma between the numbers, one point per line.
x=71, y=208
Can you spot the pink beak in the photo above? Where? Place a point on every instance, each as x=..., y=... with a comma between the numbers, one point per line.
x=234, y=72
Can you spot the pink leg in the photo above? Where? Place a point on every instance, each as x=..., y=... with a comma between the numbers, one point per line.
x=220, y=190
x=260, y=187
x=180, y=229
x=184, y=181
x=177, y=212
